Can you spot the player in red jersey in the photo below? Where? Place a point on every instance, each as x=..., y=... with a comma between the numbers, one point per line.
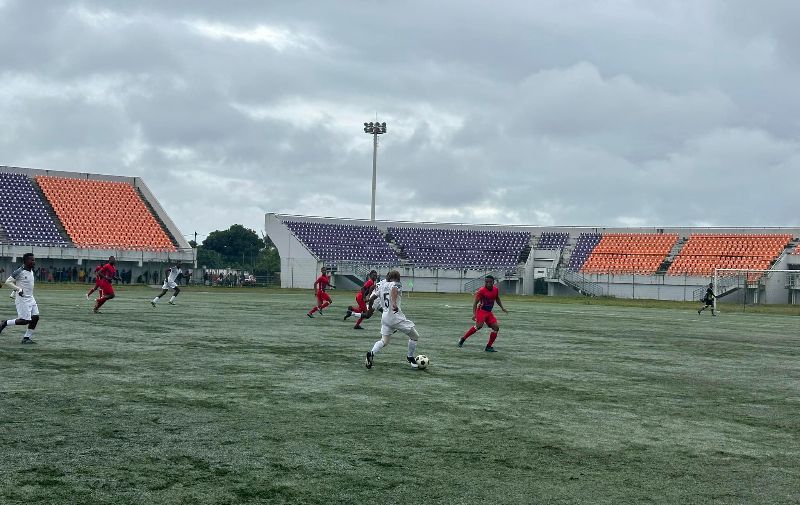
x=485, y=299
x=361, y=311
x=323, y=298
x=105, y=275
x=96, y=283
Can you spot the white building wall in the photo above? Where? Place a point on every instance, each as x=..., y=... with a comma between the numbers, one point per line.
x=299, y=268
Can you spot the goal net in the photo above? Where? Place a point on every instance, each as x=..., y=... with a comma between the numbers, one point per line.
x=758, y=286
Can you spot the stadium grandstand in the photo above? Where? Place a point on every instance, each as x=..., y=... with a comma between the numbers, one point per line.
x=74, y=221
x=649, y=263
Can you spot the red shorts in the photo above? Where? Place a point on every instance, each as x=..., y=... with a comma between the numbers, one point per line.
x=322, y=296
x=362, y=305
x=485, y=316
x=105, y=287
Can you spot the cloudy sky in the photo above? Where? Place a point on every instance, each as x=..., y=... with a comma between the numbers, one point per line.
x=537, y=112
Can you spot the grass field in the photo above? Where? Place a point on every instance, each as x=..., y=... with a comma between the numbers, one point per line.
x=235, y=397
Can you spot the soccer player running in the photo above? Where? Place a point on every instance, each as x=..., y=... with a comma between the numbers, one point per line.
x=708, y=300
x=485, y=299
x=96, y=284
x=323, y=298
x=361, y=311
x=22, y=281
x=106, y=274
x=393, y=319
x=170, y=282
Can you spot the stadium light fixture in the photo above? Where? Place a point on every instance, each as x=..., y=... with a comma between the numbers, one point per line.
x=374, y=129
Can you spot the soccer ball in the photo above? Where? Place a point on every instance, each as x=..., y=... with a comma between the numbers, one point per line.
x=422, y=361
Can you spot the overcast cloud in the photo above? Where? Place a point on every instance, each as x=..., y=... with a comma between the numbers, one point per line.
x=548, y=112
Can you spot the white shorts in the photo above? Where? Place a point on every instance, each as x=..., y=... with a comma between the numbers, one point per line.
x=395, y=321
x=26, y=307
x=169, y=285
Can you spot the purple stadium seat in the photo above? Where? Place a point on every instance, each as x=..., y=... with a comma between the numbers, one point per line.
x=454, y=248
x=23, y=214
x=552, y=240
x=583, y=249
x=337, y=242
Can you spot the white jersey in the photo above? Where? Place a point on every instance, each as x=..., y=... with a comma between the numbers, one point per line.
x=174, y=272
x=377, y=303
x=24, y=281
x=385, y=296
x=392, y=321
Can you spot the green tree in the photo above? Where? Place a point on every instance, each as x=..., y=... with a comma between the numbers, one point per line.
x=238, y=246
x=209, y=259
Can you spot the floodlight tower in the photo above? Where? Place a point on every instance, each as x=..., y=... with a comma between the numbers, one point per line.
x=374, y=129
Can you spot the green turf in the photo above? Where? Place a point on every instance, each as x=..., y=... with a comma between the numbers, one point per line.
x=235, y=397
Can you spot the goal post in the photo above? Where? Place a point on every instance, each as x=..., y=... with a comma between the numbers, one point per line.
x=750, y=276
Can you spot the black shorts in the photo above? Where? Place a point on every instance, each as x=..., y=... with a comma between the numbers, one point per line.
x=708, y=302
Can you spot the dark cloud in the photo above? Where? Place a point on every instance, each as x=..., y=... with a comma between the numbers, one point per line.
x=549, y=112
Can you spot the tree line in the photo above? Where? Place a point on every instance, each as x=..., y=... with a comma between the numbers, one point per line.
x=240, y=248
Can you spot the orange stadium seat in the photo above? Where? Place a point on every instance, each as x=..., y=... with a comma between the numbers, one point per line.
x=629, y=253
x=103, y=214
x=705, y=252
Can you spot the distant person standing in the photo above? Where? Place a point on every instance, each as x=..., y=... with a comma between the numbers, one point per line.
x=708, y=300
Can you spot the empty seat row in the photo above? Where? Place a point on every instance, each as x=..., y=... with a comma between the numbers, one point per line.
x=629, y=253
x=333, y=242
x=23, y=214
x=703, y=253
x=460, y=248
x=104, y=213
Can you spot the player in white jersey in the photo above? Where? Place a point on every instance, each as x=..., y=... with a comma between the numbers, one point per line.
x=171, y=279
x=21, y=281
x=390, y=295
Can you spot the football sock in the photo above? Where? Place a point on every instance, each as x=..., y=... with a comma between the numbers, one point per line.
x=100, y=302
x=28, y=333
x=324, y=305
x=492, y=338
x=156, y=299
x=313, y=310
x=469, y=333
x=11, y=322
x=377, y=346
x=358, y=323
x=412, y=346
x=172, y=299
x=356, y=315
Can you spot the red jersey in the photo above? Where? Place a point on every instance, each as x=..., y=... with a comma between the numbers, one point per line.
x=322, y=283
x=487, y=298
x=367, y=286
x=107, y=272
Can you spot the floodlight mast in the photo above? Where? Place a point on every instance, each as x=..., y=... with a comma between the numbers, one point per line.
x=374, y=129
